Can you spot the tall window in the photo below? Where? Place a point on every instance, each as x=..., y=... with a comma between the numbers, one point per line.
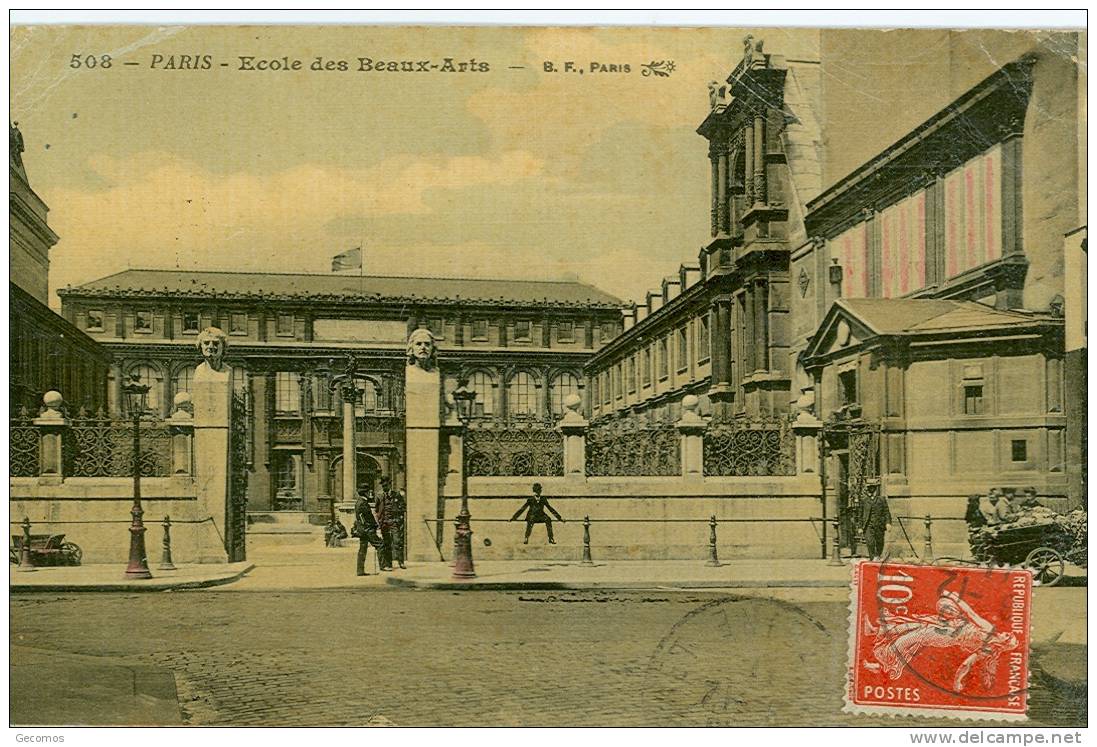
x=683, y=349
x=149, y=376
x=851, y=249
x=664, y=357
x=287, y=392
x=617, y=391
x=973, y=213
x=182, y=379
x=522, y=395
x=847, y=387
x=483, y=385
x=630, y=373
x=704, y=338
x=607, y=388
x=903, y=247
x=563, y=386
x=322, y=395
x=645, y=365
x=285, y=474
x=369, y=398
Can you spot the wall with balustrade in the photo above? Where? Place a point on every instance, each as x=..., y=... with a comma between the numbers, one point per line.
x=650, y=488
x=71, y=473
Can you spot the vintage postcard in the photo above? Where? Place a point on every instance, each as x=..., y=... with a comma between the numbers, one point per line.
x=480, y=375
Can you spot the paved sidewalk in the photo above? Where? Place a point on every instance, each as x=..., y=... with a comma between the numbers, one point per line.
x=111, y=577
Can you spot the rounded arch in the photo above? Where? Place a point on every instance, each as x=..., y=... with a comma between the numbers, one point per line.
x=523, y=387
x=151, y=374
x=368, y=471
x=485, y=382
x=563, y=384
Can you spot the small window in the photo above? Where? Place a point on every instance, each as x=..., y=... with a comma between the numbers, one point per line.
x=95, y=321
x=437, y=328
x=480, y=329
x=847, y=387
x=609, y=329
x=522, y=331
x=143, y=322
x=683, y=349
x=565, y=331
x=190, y=321
x=1019, y=450
x=973, y=399
x=704, y=339
x=238, y=323
x=285, y=325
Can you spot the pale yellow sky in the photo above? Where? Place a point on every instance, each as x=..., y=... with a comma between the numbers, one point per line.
x=506, y=173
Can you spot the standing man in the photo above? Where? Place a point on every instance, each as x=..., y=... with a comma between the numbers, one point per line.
x=365, y=529
x=396, y=515
x=877, y=522
x=537, y=505
x=385, y=521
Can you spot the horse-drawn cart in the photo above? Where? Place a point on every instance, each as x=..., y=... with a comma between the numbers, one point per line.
x=46, y=550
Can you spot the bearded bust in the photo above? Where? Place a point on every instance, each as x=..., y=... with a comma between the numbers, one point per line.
x=212, y=344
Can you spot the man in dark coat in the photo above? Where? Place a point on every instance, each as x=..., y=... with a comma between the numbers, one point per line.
x=536, y=506
x=365, y=529
x=876, y=523
x=396, y=507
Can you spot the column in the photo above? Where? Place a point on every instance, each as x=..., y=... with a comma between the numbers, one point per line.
x=759, y=160
x=423, y=393
x=546, y=398
x=502, y=331
x=723, y=223
x=713, y=212
x=748, y=166
x=350, y=460
x=761, y=326
x=721, y=389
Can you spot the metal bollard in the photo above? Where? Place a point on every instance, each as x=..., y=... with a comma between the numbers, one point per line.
x=456, y=541
x=24, y=552
x=713, y=561
x=835, y=546
x=165, y=557
x=586, y=542
x=927, y=547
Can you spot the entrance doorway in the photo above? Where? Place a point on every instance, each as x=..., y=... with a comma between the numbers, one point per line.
x=368, y=470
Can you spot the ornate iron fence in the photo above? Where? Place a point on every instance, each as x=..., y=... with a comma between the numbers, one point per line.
x=501, y=451
x=23, y=446
x=740, y=448
x=237, y=507
x=101, y=446
x=633, y=448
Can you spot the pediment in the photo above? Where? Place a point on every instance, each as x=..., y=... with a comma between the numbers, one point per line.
x=840, y=331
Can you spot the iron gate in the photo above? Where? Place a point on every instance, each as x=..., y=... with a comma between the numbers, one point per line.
x=236, y=508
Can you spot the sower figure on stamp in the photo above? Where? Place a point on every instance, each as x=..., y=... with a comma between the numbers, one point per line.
x=876, y=523
x=365, y=529
x=536, y=506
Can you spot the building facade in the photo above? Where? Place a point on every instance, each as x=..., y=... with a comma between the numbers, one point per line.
x=929, y=312
x=719, y=329
x=45, y=351
x=522, y=345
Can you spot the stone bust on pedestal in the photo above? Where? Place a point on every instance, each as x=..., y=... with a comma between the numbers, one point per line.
x=212, y=344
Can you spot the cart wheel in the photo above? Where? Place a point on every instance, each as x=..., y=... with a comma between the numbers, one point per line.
x=1046, y=565
x=72, y=553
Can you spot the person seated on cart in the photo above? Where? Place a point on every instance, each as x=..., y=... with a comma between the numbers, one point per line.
x=999, y=512
x=1028, y=498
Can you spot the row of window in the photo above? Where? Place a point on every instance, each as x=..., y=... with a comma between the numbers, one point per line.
x=972, y=236
x=653, y=361
x=238, y=325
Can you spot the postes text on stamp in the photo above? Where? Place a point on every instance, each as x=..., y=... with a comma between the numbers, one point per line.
x=946, y=640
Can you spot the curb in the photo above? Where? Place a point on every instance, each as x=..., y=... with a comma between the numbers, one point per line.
x=446, y=585
x=132, y=586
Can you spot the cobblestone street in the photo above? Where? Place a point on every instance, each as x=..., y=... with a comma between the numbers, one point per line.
x=508, y=658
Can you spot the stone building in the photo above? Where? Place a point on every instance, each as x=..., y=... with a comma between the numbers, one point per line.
x=522, y=343
x=929, y=306
x=45, y=351
x=719, y=329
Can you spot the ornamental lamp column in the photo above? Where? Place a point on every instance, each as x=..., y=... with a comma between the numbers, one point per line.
x=463, y=398
x=136, y=399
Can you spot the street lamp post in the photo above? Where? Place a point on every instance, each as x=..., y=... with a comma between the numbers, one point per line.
x=463, y=398
x=136, y=396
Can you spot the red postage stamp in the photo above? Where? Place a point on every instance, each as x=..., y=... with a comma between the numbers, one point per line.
x=940, y=640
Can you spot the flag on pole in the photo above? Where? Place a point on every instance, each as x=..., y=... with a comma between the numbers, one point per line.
x=348, y=260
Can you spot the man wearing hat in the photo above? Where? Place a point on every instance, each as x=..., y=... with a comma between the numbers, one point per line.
x=536, y=505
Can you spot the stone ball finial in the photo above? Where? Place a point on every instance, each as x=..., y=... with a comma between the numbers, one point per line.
x=53, y=400
x=572, y=402
x=690, y=402
x=180, y=400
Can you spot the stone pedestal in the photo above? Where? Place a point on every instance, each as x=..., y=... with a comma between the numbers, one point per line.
x=423, y=403
x=691, y=429
x=51, y=426
x=211, y=396
x=573, y=426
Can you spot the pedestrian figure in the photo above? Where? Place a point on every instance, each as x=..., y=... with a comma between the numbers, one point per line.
x=536, y=506
x=386, y=525
x=1030, y=500
x=999, y=512
x=875, y=525
x=396, y=515
x=334, y=533
x=365, y=529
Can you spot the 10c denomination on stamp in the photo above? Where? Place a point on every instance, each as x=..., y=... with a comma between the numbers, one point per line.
x=940, y=640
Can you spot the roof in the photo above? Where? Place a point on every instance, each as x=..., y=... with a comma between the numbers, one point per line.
x=894, y=316
x=914, y=317
x=340, y=288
